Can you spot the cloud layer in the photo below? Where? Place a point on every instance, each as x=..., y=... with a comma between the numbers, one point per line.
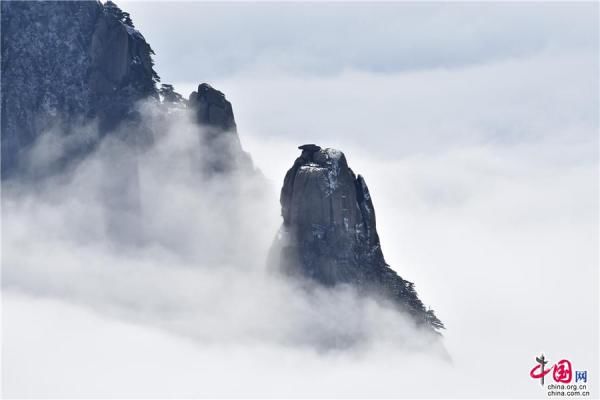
x=150, y=239
x=216, y=41
x=478, y=142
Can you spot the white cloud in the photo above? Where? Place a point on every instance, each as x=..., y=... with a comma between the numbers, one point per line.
x=479, y=145
x=148, y=240
x=208, y=41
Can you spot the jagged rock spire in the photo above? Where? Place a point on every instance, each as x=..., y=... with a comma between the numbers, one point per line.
x=329, y=231
x=213, y=114
x=212, y=108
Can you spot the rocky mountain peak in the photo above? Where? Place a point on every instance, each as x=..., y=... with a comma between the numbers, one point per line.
x=212, y=108
x=329, y=232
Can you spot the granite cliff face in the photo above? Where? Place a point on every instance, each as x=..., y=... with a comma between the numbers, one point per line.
x=329, y=232
x=65, y=64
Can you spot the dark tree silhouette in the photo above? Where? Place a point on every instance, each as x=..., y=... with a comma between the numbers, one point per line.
x=169, y=95
x=122, y=16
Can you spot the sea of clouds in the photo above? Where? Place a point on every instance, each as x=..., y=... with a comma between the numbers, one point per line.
x=480, y=149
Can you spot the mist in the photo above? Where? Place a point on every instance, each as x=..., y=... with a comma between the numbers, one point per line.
x=181, y=301
x=140, y=274
x=151, y=239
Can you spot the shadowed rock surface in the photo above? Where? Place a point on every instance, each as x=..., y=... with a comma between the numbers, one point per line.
x=212, y=109
x=65, y=64
x=214, y=115
x=329, y=232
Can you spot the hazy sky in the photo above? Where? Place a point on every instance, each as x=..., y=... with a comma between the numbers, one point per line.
x=305, y=39
x=476, y=128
